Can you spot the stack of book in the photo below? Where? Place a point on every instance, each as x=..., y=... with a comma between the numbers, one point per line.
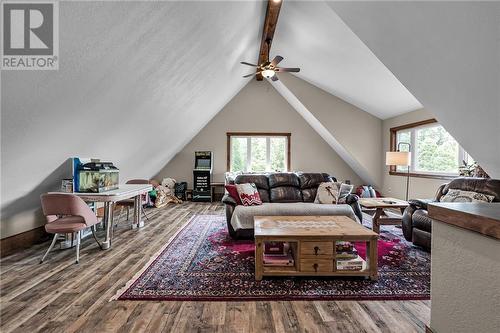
x=278, y=254
x=346, y=250
x=355, y=264
x=347, y=257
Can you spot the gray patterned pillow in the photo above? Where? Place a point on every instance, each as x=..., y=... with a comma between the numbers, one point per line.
x=454, y=195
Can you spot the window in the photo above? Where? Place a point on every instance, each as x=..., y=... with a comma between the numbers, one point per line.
x=434, y=152
x=258, y=152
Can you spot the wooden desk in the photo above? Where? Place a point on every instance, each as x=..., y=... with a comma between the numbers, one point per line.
x=124, y=191
x=380, y=217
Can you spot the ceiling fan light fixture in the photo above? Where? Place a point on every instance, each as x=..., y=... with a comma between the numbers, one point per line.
x=268, y=73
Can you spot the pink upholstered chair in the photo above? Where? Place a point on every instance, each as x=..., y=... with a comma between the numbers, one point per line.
x=130, y=202
x=67, y=214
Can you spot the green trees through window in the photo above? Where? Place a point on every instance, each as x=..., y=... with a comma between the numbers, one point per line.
x=434, y=150
x=258, y=153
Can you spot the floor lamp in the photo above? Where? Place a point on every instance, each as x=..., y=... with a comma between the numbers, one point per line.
x=400, y=158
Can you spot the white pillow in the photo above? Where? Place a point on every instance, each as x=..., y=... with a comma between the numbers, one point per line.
x=455, y=195
x=328, y=193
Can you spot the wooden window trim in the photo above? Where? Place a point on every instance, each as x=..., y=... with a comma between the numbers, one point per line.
x=392, y=168
x=228, y=145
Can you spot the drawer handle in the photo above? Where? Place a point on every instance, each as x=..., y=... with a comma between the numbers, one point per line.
x=315, y=267
x=316, y=250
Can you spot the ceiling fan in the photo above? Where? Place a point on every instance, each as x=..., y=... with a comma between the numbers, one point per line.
x=269, y=69
x=266, y=68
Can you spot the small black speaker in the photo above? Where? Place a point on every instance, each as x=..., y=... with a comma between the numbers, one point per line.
x=180, y=190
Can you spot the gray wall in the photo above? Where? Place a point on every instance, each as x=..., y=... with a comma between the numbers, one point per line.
x=465, y=288
x=259, y=108
x=134, y=85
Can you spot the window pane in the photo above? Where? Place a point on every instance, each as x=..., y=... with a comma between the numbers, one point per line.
x=405, y=137
x=258, y=161
x=436, y=150
x=278, y=152
x=238, y=154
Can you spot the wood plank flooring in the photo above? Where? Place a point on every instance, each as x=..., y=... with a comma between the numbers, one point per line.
x=59, y=296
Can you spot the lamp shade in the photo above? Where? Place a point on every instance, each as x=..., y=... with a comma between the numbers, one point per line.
x=398, y=158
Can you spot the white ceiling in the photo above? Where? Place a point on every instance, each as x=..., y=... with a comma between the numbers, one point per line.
x=136, y=81
x=310, y=35
x=448, y=55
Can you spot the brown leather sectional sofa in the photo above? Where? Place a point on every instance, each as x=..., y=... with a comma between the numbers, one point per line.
x=283, y=188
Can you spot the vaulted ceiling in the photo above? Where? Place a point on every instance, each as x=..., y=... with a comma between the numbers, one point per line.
x=312, y=36
x=137, y=80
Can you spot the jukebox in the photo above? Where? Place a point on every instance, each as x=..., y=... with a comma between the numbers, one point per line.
x=202, y=174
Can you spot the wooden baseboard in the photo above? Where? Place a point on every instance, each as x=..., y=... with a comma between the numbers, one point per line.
x=28, y=238
x=21, y=241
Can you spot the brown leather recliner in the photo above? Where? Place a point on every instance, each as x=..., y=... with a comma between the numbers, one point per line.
x=417, y=226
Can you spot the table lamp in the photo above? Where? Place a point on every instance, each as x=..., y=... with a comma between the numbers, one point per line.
x=401, y=158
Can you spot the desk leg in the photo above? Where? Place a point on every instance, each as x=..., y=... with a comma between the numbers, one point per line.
x=138, y=222
x=108, y=220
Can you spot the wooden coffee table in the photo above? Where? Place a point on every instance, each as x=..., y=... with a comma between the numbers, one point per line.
x=380, y=204
x=312, y=240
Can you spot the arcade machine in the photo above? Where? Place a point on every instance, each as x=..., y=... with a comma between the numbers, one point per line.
x=202, y=174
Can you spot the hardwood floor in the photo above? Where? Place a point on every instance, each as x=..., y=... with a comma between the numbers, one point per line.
x=59, y=296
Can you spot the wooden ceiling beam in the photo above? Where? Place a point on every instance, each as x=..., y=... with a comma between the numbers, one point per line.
x=272, y=13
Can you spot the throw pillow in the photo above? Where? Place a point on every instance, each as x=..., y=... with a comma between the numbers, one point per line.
x=345, y=190
x=455, y=195
x=248, y=194
x=328, y=193
x=233, y=192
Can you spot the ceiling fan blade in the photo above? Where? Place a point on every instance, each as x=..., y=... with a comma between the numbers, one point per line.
x=252, y=74
x=276, y=60
x=283, y=69
x=274, y=77
x=248, y=64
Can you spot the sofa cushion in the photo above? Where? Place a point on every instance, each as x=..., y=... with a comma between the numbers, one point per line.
x=259, y=180
x=312, y=180
x=283, y=179
x=421, y=221
x=286, y=194
x=309, y=194
x=243, y=216
x=264, y=195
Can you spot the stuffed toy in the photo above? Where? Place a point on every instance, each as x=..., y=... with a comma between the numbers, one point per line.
x=165, y=193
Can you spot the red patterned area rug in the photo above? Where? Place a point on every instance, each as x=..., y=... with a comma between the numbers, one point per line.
x=203, y=263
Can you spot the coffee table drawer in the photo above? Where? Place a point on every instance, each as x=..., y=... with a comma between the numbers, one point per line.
x=316, y=248
x=316, y=265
